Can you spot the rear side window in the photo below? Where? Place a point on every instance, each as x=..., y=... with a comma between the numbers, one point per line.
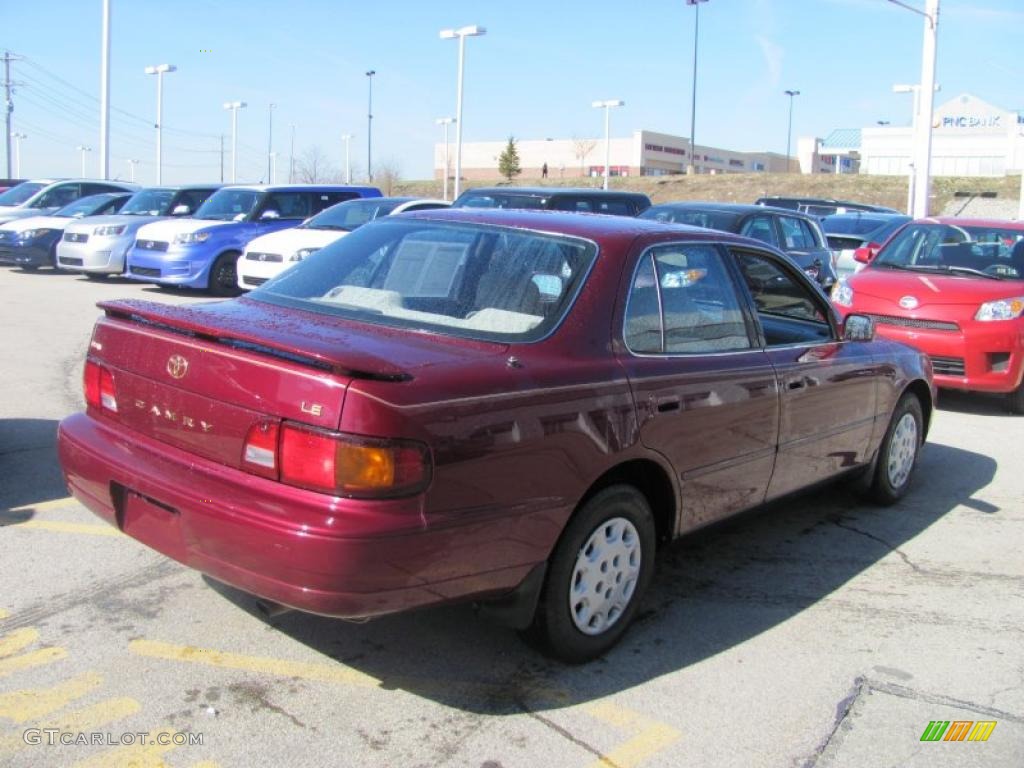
x=682, y=301
x=760, y=228
x=796, y=234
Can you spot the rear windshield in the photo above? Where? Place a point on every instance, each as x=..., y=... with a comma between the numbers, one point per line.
x=18, y=194
x=229, y=205
x=149, y=202
x=499, y=200
x=481, y=282
x=346, y=216
x=722, y=220
x=996, y=252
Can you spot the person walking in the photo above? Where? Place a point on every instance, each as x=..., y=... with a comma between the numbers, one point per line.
x=544, y=171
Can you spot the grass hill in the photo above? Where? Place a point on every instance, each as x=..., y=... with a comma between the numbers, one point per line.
x=747, y=187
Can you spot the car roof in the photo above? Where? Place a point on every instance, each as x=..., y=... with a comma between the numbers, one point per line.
x=698, y=205
x=553, y=191
x=298, y=187
x=585, y=225
x=993, y=223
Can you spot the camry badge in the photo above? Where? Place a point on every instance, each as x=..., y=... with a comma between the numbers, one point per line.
x=908, y=302
x=177, y=366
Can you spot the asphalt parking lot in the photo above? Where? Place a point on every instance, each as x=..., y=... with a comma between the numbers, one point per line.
x=818, y=632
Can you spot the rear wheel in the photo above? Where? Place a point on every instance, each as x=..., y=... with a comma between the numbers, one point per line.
x=597, y=576
x=897, y=456
x=224, y=275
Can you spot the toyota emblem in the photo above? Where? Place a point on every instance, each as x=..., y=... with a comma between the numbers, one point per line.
x=908, y=302
x=177, y=366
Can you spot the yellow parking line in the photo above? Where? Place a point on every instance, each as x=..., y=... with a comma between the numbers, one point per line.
x=331, y=673
x=3, y=614
x=134, y=756
x=82, y=720
x=652, y=738
x=17, y=640
x=45, y=506
x=84, y=528
x=29, y=660
x=23, y=706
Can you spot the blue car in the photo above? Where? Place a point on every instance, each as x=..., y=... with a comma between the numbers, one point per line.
x=202, y=252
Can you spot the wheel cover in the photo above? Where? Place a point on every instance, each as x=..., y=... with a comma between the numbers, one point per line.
x=605, y=576
x=902, y=450
x=225, y=275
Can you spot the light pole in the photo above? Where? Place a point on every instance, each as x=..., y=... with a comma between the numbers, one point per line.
x=692, y=166
x=131, y=169
x=291, y=156
x=234, y=106
x=923, y=126
x=159, y=71
x=270, y=139
x=789, y=132
x=83, y=149
x=607, y=105
x=445, y=121
x=347, y=138
x=105, y=93
x=882, y=123
x=450, y=34
x=17, y=152
x=915, y=90
x=273, y=168
x=369, y=124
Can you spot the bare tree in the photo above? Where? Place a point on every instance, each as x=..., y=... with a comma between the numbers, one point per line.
x=387, y=175
x=313, y=167
x=581, y=148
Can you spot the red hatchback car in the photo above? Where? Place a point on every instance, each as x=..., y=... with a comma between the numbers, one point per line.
x=953, y=288
x=506, y=406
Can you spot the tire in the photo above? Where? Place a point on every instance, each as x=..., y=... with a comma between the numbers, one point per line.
x=1015, y=400
x=29, y=267
x=96, y=277
x=898, y=453
x=616, y=523
x=224, y=275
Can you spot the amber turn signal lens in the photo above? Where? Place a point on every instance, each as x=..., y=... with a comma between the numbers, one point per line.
x=364, y=467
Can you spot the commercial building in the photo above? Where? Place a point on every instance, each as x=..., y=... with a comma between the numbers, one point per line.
x=645, y=153
x=970, y=137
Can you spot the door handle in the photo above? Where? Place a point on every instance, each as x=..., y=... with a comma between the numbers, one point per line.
x=666, y=404
x=796, y=383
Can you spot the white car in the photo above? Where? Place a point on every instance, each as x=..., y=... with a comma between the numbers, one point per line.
x=268, y=256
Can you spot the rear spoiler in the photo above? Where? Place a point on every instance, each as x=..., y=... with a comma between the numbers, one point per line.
x=279, y=335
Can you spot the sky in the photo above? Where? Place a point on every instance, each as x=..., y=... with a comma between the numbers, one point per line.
x=532, y=76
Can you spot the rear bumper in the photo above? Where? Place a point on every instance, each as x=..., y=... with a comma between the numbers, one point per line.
x=315, y=553
x=982, y=357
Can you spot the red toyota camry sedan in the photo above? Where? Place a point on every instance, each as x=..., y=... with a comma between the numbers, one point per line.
x=953, y=288
x=510, y=407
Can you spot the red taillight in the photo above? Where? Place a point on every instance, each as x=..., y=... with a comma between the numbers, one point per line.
x=98, y=383
x=352, y=465
x=259, y=454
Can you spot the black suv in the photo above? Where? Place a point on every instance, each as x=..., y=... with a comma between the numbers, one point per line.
x=555, y=199
x=820, y=206
x=796, y=234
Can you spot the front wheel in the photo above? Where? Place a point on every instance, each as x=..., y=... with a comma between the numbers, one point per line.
x=224, y=275
x=1015, y=400
x=597, y=576
x=97, y=277
x=897, y=456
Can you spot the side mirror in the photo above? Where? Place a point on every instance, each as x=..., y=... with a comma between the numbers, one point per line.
x=858, y=328
x=181, y=210
x=270, y=215
x=863, y=255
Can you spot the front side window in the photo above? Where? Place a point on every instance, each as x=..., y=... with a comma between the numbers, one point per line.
x=229, y=205
x=289, y=205
x=760, y=228
x=323, y=200
x=193, y=198
x=58, y=197
x=465, y=280
x=789, y=311
x=682, y=301
x=149, y=202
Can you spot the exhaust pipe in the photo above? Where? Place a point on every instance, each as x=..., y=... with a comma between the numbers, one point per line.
x=270, y=610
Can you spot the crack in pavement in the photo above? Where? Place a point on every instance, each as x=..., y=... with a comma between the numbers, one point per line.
x=842, y=710
x=883, y=542
x=565, y=734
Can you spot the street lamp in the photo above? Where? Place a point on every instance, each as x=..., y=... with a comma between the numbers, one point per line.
x=882, y=122
x=159, y=71
x=83, y=149
x=923, y=126
x=692, y=167
x=17, y=153
x=445, y=121
x=789, y=132
x=607, y=105
x=270, y=139
x=450, y=34
x=234, y=106
x=347, y=138
x=291, y=156
x=369, y=123
x=273, y=168
x=131, y=169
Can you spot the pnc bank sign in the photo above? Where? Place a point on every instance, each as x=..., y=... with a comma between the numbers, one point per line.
x=971, y=121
